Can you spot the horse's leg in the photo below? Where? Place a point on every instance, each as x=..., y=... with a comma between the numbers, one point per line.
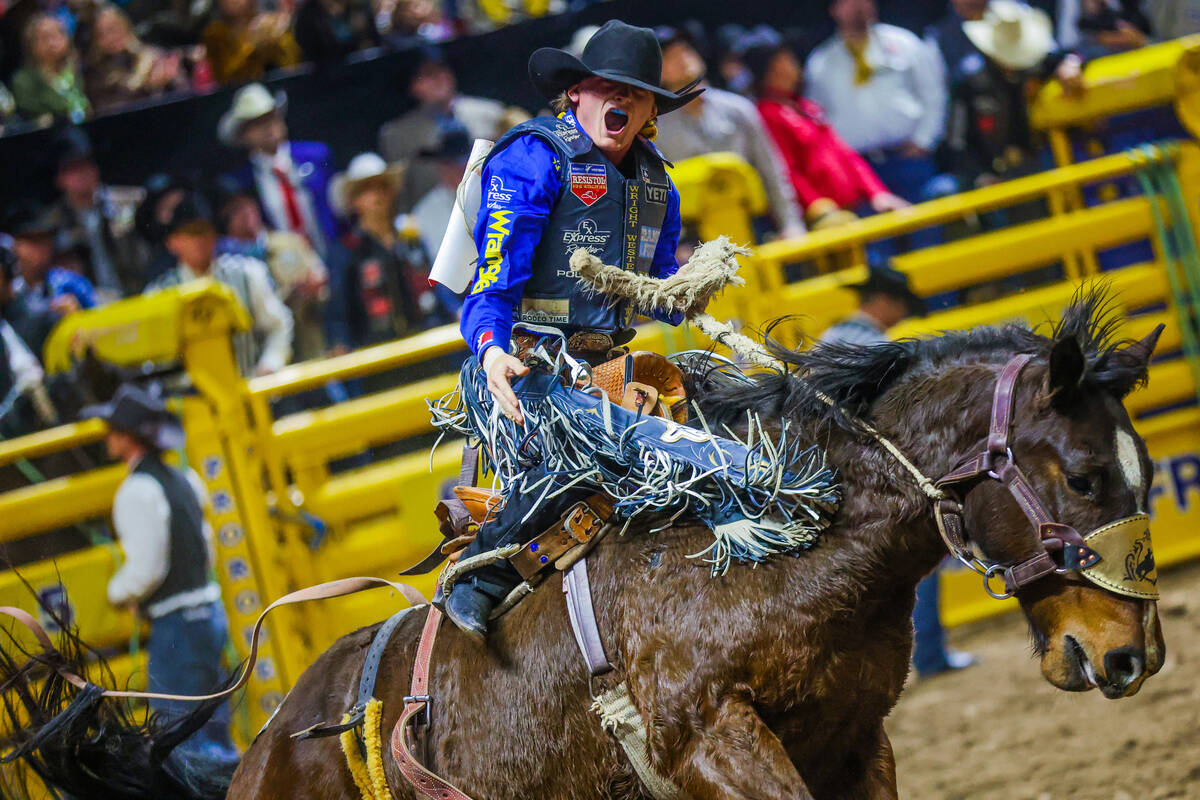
x=738, y=757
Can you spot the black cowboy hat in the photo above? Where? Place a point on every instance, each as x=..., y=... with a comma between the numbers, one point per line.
x=30, y=218
x=192, y=210
x=137, y=412
x=156, y=187
x=618, y=52
x=453, y=143
x=893, y=283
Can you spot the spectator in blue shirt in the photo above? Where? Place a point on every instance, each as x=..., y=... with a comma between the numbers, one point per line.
x=40, y=284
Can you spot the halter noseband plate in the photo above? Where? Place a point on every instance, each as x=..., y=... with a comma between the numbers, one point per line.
x=1117, y=556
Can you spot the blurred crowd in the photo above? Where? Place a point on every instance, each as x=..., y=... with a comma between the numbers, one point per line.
x=331, y=257
x=69, y=59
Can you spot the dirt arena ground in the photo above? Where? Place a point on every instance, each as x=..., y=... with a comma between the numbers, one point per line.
x=998, y=730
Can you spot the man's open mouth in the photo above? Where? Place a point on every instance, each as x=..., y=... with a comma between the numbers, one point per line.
x=615, y=121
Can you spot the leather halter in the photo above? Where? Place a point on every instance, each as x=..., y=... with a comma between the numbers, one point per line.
x=1063, y=548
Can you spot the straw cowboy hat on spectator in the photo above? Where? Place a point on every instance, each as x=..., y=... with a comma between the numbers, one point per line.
x=1012, y=34
x=363, y=167
x=249, y=103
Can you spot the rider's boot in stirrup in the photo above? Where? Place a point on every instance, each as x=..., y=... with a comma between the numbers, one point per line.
x=472, y=600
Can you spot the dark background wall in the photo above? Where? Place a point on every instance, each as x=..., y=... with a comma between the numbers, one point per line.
x=345, y=105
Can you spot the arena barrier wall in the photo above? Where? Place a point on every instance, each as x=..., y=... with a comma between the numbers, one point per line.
x=288, y=514
x=1158, y=75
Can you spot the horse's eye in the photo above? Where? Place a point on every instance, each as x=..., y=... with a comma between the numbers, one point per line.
x=1081, y=484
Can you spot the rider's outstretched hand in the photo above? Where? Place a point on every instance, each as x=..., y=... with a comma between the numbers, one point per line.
x=501, y=368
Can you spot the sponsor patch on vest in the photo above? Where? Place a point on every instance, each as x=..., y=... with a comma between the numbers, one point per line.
x=212, y=467
x=588, y=182
x=545, y=311
x=649, y=241
x=499, y=226
x=656, y=193
x=222, y=502
x=566, y=131
x=498, y=194
x=588, y=236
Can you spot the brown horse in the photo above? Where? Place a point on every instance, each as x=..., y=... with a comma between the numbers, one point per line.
x=773, y=682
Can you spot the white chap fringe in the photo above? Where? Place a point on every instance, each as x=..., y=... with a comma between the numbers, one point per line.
x=760, y=497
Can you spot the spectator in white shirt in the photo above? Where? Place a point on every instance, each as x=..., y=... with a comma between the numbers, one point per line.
x=883, y=90
x=192, y=239
x=721, y=121
x=1174, y=18
x=158, y=516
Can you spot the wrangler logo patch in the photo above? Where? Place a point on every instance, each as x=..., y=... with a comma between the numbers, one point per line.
x=588, y=182
x=499, y=222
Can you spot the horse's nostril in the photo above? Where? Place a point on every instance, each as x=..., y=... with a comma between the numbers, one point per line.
x=1123, y=666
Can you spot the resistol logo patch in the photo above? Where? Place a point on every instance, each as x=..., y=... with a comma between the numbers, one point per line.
x=588, y=182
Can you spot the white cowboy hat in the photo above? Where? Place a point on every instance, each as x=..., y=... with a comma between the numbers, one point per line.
x=250, y=102
x=363, y=167
x=1013, y=34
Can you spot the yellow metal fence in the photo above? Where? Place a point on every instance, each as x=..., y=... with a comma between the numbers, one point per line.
x=285, y=517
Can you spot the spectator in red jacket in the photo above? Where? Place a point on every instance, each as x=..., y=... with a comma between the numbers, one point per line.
x=832, y=181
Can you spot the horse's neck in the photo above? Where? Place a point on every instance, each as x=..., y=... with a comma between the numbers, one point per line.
x=886, y=529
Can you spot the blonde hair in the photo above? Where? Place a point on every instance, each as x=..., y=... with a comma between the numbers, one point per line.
x=562, y=103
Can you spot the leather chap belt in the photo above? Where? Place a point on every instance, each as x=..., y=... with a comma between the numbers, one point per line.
x=577, y=527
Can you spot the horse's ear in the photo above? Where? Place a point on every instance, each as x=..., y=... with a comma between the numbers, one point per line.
x=1127, y=367
x=1067, y=366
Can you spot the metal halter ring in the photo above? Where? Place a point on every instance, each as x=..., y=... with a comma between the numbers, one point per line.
x=992, y=472
x=991, y=572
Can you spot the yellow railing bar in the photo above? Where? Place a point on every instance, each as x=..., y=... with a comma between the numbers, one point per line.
x=934, y=212
x=59, y=502
x=402, y=352
x=1141, y=78
x=52, y=440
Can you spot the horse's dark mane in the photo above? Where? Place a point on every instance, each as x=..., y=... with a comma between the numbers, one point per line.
x=856, y=375
x=86, y=745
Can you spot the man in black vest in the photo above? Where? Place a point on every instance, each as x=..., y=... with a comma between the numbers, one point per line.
x=588, y=178
x=158, y=515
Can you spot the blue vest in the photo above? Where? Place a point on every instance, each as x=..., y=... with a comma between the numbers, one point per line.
x=616, y=219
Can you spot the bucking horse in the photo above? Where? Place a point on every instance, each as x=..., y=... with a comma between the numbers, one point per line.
x=766, y=682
